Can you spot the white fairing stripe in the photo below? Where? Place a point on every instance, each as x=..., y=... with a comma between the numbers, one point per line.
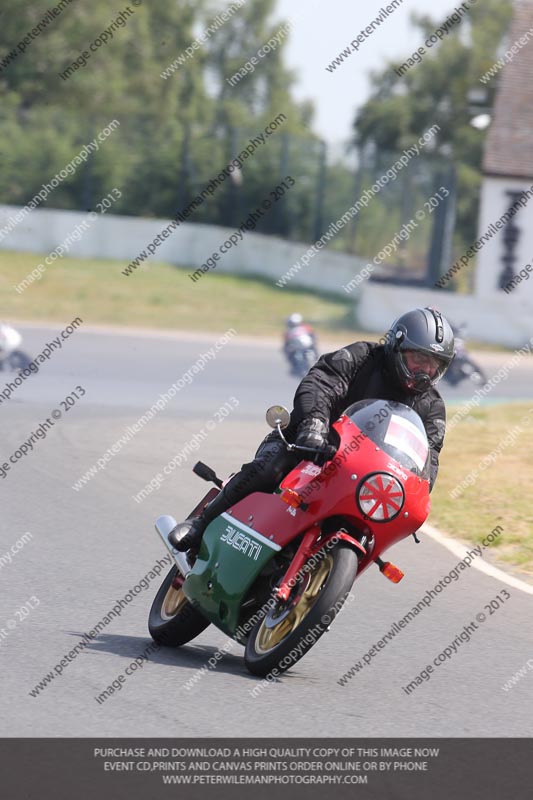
x=251, y=532
x=401, y=440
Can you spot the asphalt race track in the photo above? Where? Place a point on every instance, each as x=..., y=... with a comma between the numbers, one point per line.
x=89, y=547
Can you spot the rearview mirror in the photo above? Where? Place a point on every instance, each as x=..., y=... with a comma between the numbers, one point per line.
x=278, y=415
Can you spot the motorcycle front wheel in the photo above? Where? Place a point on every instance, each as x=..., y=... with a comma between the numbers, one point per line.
x=288, y=630
x=173, y=620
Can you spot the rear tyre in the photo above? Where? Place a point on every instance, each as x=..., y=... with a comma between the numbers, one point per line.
x=290, y=629
x=18, y=361
x=477, y=375
x=303, y=365
x=173, y=620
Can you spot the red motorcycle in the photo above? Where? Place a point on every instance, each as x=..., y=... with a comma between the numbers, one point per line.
x=273, y=571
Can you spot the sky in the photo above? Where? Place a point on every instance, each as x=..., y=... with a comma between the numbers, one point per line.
x=321, y=29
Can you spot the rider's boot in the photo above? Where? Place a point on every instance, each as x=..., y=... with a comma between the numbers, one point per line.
x=263, y=474
x=197, y=526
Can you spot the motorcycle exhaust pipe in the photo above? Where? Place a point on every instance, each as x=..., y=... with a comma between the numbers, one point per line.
x=163, y=526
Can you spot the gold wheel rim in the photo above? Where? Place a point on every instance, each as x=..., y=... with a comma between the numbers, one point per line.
x=270, y=637
x=173, y=603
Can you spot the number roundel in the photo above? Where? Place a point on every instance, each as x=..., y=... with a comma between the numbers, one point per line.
x=381, y=497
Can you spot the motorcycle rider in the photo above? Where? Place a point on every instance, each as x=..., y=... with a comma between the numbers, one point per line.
x=10, y=339
x=463, y=366
x=296, y=328
x=417, y=351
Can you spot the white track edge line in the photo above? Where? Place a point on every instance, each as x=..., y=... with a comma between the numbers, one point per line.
x=460, y=550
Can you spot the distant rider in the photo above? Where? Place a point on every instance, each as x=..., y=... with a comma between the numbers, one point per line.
x=295, y=329
x=10, y=339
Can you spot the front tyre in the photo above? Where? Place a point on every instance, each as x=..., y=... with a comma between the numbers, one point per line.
x=173, y=620
x=290, y=629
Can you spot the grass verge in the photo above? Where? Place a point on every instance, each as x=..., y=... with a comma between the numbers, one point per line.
x=500, y=494
x=163, y=296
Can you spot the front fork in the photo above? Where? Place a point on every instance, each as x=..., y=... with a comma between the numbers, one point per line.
x=308, y=548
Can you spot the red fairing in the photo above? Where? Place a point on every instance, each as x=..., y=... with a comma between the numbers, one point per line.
x=361, y=482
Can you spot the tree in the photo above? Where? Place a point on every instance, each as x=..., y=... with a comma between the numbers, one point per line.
x=176, y=133
x=436, y=90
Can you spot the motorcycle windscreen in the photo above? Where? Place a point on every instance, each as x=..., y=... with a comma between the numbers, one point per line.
x=396, y=429
x=305, y=340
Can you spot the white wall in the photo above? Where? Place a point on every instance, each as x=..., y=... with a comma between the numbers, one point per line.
x=492, y=316
x=491, y=319
x=118, y=237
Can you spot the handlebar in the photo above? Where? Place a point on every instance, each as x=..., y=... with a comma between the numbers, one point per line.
x=327, y=449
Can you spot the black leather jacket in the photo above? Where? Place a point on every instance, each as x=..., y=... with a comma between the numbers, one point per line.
x=359, y=372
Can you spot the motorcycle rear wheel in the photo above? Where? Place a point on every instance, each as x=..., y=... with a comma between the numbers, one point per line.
x=173, y=620
x=277, y=641
x=18, y=361
x=477, y=375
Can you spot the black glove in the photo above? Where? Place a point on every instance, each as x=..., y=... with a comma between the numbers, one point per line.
x=313, y=433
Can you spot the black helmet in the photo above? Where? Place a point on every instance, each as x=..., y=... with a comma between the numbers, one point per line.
x=423, y=330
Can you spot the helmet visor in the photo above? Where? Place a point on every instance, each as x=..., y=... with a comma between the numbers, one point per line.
x=421, y=370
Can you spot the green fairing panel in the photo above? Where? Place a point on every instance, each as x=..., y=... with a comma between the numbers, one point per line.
x=241, y=553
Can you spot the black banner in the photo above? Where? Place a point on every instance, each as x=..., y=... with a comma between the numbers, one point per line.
x=374, y=769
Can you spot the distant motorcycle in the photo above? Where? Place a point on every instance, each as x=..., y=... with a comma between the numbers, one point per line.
x=300, y=348
x=11, y=358
x=463, y=366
